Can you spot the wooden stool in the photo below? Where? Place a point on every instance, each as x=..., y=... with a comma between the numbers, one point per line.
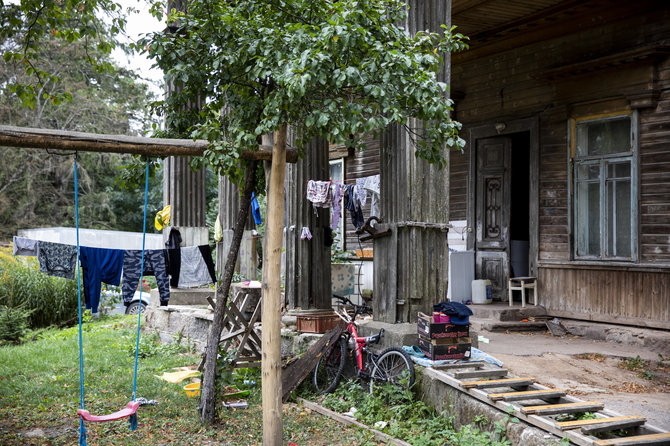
x=522, y=284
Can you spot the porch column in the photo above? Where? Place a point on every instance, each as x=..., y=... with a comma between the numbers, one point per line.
x=411, y=266
x=307, y=274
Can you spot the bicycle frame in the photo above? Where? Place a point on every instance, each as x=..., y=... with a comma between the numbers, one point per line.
x=360, y=341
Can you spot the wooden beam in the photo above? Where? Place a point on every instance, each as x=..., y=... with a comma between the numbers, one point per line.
x=658, y=439
x=527, y=395
x=493, y=373
x=507, y=382
x=553, y=409
x=602, y=424
x=32, y=138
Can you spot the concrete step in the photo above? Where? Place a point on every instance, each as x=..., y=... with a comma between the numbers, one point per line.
x=503, y=312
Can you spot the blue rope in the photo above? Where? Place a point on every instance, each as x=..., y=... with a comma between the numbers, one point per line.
x=82, y=402
x=133, y=418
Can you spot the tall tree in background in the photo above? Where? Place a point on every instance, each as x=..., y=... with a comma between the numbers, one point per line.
x=329, y=68
x=35, y=186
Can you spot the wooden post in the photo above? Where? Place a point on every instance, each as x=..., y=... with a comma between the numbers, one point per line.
x=271, y=315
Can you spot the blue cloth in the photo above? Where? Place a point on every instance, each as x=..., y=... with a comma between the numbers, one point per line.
x=255, y=210
x=453, y=309
x=99, y=265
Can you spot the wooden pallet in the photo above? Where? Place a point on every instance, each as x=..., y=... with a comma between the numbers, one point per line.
x=512, y=394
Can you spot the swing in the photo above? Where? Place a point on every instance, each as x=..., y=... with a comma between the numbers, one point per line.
x=130, y=411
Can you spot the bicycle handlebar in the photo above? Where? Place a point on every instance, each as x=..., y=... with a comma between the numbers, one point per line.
x=358, y=309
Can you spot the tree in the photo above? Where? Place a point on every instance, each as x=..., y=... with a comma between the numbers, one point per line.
x=331, y=68
x=35, y=187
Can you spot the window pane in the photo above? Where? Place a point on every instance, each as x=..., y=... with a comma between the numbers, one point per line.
x=604, y=137
x=619, y=213
x=588, y=171
x=588, y=219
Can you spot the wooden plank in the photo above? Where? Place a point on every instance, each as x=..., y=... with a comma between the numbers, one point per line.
x=612, y=423
x=460, y=365
x=527, y=395
x=507, y=382
x=553, y=409
x=351, y=421
x=657, y=439
x=298, y=370
x=481, y=373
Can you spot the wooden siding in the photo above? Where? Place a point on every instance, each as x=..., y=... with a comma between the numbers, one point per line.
x=614, y=58
x=624, y=296
x=360, y=165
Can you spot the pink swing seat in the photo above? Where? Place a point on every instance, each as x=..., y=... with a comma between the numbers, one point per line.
x=129, y=410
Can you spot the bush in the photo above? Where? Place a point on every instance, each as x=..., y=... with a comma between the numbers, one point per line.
x=13, y=324
x=49, y=300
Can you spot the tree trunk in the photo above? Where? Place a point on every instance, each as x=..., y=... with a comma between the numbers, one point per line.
x=271, y=314
x=208, y=395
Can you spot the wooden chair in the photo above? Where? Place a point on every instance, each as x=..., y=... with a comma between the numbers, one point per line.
x=522, y=284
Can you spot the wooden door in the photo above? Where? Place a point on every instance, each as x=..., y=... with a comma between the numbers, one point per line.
x=492, y=201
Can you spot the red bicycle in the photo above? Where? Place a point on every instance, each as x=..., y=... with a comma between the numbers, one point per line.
x=390, y=366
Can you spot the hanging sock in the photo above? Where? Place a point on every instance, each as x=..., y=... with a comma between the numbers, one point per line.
x=305, y=234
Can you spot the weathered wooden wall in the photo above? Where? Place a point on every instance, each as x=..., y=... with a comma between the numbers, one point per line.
x=307, y=274
x=602, y=56
x=411, y=265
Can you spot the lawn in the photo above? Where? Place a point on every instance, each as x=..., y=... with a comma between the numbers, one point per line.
x=39, y=395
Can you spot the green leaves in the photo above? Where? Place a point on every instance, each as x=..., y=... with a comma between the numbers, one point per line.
x=329, y=68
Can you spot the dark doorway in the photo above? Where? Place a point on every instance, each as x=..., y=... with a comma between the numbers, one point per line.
x=520, y=205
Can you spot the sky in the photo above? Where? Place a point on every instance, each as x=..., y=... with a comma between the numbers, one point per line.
x=138, y=25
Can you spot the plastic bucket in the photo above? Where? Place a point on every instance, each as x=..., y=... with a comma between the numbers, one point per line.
x=192, y=390
x=481, y=292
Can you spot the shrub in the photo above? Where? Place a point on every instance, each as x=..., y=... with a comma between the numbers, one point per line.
x=13, y=324
x=49, y=300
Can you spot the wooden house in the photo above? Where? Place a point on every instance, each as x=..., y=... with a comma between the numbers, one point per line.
x=565, y=108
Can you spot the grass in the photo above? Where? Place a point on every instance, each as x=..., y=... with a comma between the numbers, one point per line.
x=39, y=389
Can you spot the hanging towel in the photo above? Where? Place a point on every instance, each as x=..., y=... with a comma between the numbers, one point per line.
x=57, y=259
x=256, y=210
x=193, y=270
x=154, y=265
x=99, y=265
x=24, y=246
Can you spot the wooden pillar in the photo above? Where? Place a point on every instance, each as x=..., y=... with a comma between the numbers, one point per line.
x=307, y=261
x=411, y=266
x=271, y=313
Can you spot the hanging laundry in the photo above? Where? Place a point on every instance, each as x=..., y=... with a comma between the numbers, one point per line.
x=173, y=257
x=196, y=268
x=328, y=239
x=99, y=265
x=57, y=259
x=361, y=192
x=371, y=184
x=162, y=218
x=336, y=193
x=154, y=265
x=352, y=205
x=305, y=234
x=318, y=192
x=256, y=210
x=22, y=246
x=218, y=229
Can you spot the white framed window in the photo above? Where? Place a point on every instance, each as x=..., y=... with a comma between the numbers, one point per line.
x=604, y=186
x=337, y=175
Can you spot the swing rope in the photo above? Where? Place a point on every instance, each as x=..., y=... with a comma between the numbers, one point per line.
x=131, y=408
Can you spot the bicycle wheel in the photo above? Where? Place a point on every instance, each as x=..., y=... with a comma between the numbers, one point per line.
x=393, y=366
x=330, y=367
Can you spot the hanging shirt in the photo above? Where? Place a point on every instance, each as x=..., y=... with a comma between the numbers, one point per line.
x=352, y=205
x=256, y=210
x=99, y=265
x=57, y=259
x=24, y=246
x=318, y=192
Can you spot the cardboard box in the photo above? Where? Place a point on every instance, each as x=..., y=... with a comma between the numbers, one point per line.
x=448, y=348
x=431, y=330
x=317, y=322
